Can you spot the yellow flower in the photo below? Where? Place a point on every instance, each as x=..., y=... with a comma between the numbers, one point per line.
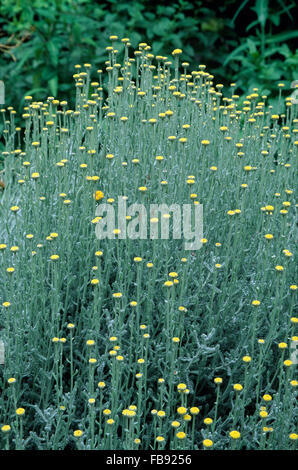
x=266, y=429
x=208, y=421
x=98, y=195
x=279, y=268
x=20, y=411
x=5, y=428
x=207, y=443
x=181, y=410
x=235, y=434
x=194, y=410
x=175, y=424
x=218, y=380
x=181, y=435
x=78, y=433
x=177, y=52
x=181, y=386
x=246, y=358
x=288, y=362
x=238, y=387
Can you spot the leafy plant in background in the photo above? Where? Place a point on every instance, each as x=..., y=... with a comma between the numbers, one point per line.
x=42, y=40
x=264, y=57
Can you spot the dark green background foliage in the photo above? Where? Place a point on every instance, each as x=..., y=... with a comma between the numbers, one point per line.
x=251, y=42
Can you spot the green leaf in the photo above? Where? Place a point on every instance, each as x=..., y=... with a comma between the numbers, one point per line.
x=161, y=27
x=77, y=31
x=286, y=9
x=252, y=25
x=283, y=37
x=53, y=52
x=238, y=11
x=53, y=85
x=236, y=51
x=261, y=9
